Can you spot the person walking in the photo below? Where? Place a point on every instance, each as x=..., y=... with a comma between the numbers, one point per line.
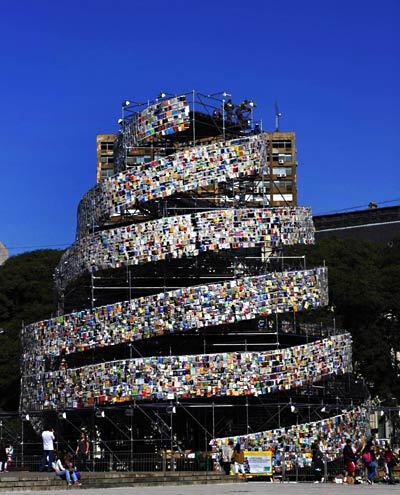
x=318, y=463
x=369, y=460
x=350, y=459
x=238, y=459
x=82, y=452
x=389, y=462
x=226, y=454
x=48, y=450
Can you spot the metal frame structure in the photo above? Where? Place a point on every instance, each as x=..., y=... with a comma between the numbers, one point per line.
x=140, y=280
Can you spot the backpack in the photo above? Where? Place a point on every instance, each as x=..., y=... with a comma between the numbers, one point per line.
x=366, y=457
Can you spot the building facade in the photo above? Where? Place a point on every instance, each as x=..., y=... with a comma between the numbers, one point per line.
x=3, y=253
x=380, y=225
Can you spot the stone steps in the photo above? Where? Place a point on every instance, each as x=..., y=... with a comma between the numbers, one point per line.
x=24, y=481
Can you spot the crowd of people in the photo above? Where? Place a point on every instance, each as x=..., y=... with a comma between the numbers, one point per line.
x=363, y=459
x=174, y=311
x=66, y=465
x=170, y=377
x=186, y=170
x=186, y=235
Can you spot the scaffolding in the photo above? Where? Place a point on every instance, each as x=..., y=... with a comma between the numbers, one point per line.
x=175, y=424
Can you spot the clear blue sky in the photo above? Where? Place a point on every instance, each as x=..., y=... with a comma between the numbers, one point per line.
x=333, y=66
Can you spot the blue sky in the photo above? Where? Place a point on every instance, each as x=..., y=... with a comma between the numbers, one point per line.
x=66, y=66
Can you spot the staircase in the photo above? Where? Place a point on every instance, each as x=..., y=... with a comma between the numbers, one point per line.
x=25, y=481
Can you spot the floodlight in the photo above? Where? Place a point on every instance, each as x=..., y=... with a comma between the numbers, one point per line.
x=120, y=121
x=126, y=103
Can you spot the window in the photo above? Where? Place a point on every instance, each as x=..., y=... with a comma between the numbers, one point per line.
x=282, y=144
x=138, y=160
x=107, y=172
x=107, y=146
x=107, y=159
x=282, y=197
x=286, y=157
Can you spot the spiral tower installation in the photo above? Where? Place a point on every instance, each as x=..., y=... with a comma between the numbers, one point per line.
x=201, y=249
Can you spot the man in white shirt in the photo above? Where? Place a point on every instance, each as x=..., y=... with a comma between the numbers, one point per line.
x=226, y=456
x=48, y=449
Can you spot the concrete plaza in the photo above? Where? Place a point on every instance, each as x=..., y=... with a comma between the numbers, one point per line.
x=251, y=488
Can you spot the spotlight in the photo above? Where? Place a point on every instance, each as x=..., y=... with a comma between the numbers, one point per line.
x=382, y=413
x=100, y=414
x=252, y=104
x=225, y=93
x=62, y=415
x=126, y=103
x=120, y=121
x=323, y=409
x=27, y=417
x=293, y=409
x=162, y=95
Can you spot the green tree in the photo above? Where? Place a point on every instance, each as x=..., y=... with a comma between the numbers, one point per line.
x=364, y=288
x=26, y=295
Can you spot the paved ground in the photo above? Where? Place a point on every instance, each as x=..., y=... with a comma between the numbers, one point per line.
x=259, y=488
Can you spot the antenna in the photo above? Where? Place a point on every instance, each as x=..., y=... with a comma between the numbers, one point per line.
x=278, y=116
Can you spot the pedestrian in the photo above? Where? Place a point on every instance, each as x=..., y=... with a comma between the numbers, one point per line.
x=238, y=459
x=82, y=451
x=48, y=450
x=389, y=462
x=10, y=453
x=3, y=457
x=226, y=455
x=369, y=460
x=318, y=463
x=350, y=459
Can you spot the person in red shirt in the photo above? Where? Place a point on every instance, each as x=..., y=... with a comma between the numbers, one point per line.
x=389, y=461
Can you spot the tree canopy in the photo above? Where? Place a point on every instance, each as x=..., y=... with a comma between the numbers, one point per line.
x=26, y=295
x=364, y=288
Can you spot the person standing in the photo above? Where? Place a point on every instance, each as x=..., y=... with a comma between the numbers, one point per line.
x=227, y=451
x=389, y=462
x=318, y=463
x=238, y=458
x=82, y=452
x=48, y=450
x=349, y=458
x=3, y=457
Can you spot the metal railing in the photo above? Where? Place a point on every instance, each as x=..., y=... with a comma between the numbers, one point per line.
x=126, y=461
